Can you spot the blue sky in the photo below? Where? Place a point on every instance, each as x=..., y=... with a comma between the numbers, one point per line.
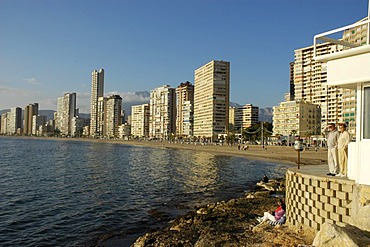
x=49, y=47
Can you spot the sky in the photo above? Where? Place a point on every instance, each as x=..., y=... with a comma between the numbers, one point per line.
x=50, y=47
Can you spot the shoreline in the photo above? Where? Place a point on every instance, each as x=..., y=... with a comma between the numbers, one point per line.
x=283, y=154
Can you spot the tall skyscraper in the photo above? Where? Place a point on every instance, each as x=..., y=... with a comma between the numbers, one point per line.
x=162, y=123
x=211, y=99
x=140, y=120
x=66, y=111
x=29, y=111
x=97, y=91
x=15, y=120
x=310, y=83
x=185, y=109
x=114, y=119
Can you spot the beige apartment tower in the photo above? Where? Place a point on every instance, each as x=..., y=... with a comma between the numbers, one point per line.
x=296, y=118
x=29, y=111
x=310, y=83
x=97, y=91
x=140, y=120
x=211, y=100
x=185, y=109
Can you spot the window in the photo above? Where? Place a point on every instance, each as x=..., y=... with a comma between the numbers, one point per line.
x=366, y=113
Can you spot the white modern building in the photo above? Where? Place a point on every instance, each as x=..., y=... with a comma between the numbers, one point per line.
x=162, y=119
x=349, y=68
x=97, y=91
x=211, y=100
x=140, y=120
x=66, y=111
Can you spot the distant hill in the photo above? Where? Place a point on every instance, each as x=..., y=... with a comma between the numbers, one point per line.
x=265, y=114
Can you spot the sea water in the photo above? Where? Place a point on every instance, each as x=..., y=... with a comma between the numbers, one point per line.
x=77, y=193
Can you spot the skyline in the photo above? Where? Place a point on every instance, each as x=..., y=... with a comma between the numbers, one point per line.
x=48, y=48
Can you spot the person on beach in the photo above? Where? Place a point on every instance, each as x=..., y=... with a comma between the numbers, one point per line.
x=332, y=142
x=343, y=141
x=274, y=216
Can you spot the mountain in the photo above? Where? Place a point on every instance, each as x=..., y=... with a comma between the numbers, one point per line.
x=265, y=114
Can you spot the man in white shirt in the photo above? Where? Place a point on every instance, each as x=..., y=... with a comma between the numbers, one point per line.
x=332, y=139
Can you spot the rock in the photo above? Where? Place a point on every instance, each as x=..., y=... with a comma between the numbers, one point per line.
x=332, y=235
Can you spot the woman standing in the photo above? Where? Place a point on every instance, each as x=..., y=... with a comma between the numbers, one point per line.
x=343, y=141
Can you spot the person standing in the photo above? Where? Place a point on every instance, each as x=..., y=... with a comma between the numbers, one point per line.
x=332, y=139
x=343, y=141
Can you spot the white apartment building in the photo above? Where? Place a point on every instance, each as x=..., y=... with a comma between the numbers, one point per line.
x=185, y=109
x=66, y=111
x=235, y=118
x=114, y=118
x=140, y=120
x=12, y=121
x=310, y=83
x=249, y=115
x=211, y=99
x=162, y=119
x=97, y=91
x=296, y=118
x=101, y=119
x=38, y=125
x=4, y=123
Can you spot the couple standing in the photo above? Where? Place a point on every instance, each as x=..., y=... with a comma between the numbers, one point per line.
x=338, y=150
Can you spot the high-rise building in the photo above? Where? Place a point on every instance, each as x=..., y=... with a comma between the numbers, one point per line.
x=249, y=115
x=4, y=123
x=296, y=118
x=101, y=117
x=291, y=81
x=310, y=82
x=15, y=120
x=29, y=111
x=356, y=36
x=185, y=106
x=140, y=120
x=66, y=111
x=211, y=100
x=97, y=91
x=162, y=120
x=114, y=119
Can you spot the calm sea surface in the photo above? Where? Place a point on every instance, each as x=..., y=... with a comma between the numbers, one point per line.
x=74, y=193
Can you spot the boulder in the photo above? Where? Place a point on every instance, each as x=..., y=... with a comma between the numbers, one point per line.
x=331, y=235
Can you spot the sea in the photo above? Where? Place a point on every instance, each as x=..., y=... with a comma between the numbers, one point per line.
x=76, y=193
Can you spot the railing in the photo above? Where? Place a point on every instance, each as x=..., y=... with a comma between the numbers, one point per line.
x=325, y=37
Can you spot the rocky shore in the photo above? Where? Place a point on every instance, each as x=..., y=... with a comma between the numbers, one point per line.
x=231, y=223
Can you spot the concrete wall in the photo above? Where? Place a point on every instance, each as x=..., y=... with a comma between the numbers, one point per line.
x=313, y=200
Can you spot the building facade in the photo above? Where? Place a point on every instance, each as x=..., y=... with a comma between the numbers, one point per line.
x=97, y=91
x=29, y=111
x=140, y=120
x=162, y=119
x=310, y=79
x=300, y=118
x=211, y=100
x=185, y=108
x=114, y=119
x=249, y=115
x=66, y=111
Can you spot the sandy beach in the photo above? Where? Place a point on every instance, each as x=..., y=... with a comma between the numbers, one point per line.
x=283, y=154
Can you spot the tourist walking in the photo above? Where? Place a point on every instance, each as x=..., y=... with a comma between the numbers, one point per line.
x=343, y=141
x=332, y=142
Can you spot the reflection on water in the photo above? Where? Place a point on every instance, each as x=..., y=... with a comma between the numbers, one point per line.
x=73, y=193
